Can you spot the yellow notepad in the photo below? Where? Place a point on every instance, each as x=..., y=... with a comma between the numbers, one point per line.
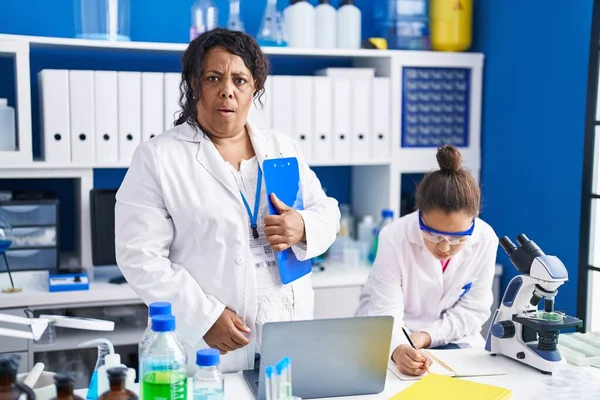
x=434, y=386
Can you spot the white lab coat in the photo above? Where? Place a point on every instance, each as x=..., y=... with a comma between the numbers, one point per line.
x=182, y=233
x=407, y=283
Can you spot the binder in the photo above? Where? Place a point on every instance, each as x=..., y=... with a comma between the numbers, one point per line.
x=303, y=114
x=81, y=103
x=282, y=177
x=171, y=96
x=434, y=386
x=361, y=120
x=283, y=109
x=323, y=122
x=153, y=112
x=262, y=115
x=380, y=117
x=130, y=113
x=342, y=120
x=106, y=109
x=55, y=118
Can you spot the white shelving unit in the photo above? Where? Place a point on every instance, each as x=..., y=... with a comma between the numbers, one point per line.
x=376, y=184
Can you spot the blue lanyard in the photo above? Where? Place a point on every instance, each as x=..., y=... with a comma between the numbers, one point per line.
x=254, y=217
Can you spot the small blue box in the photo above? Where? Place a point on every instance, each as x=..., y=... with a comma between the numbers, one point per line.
x=68, y=282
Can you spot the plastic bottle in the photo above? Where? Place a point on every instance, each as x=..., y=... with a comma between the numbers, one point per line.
x=64, y=388
x=164, y=363
x=325, y=25
x=8, y=136
x=205, y=17
x=107, y=358
x=346, y=222
x=300, y=24
x=208, y=380
x=387, y=217
x=235, y=23
x=451, y=24
x=365, y=236
x=10, y=388
x=403, y=23
x=117, y=377
x=348, y=25
x=154, y=309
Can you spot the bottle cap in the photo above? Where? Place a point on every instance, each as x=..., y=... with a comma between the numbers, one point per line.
x=8, y=368
x=112, y=360
x=117, y=373
x=347, y=3
x=208, y=357
x=324, y=2
x=159, y=308
x=367, y=219
x=3, y=102
x=163, y=323
x=63, y=381
x=387, y=213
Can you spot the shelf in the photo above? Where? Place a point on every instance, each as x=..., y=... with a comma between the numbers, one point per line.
x=70, y=339
x=70, y=43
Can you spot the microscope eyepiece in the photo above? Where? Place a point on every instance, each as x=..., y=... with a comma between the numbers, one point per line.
x=522, y=239
x=508, y=246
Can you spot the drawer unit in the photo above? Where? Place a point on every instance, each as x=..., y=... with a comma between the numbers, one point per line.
x=31, y=259
x=34, y=237
x=28, y=213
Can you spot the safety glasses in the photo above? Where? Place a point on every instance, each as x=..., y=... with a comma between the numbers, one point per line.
x=453, y=238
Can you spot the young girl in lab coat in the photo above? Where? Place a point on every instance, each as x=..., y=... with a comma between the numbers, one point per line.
x=435, y=267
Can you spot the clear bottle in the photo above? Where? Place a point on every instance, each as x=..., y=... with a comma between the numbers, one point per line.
x=154, y=309
x=8, y=138
x=271, y=32
x=235, y=22
x=116, y=379
x=164, y=363
x=365, y=236
x=205, y=17
x=208, y=380
x=404, y=23
x=387, y=217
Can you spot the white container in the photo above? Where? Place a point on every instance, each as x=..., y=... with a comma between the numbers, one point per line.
x=325, y=23
x=348, y=26
x=8, y=135
x=366, y=228
x=300, y=24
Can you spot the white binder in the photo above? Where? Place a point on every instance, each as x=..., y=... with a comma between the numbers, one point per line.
x=381, y=119
x=323, y=122
x=130, y=114
x=342, y=119
x=283, y=109
x=55, y=119
x=361, y=119
x=303, y=114
x=171, y=106
x=107, y=127
x=153, y=112
x=81, y=100
x=262, y=115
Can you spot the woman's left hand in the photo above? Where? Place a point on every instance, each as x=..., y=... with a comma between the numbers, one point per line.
x=286, y=229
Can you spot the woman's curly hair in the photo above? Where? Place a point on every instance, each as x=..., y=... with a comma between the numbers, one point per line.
x=235, y=42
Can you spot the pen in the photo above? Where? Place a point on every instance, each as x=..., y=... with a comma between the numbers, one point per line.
x=415, y=347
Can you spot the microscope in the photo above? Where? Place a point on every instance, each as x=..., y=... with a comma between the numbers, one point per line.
x=518, y=329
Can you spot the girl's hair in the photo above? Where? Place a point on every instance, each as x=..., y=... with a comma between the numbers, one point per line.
x=235, y=42
x=450, y=188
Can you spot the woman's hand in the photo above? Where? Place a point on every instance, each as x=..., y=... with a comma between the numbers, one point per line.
x=410, y=361
x=227, y=334
x=286, y=229
x=421, y=339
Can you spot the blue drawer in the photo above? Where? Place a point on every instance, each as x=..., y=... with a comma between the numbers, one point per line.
x=27, y=238
x=34, y=259
x=29, y=214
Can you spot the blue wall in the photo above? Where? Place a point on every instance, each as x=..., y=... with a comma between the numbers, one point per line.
x=535, y=81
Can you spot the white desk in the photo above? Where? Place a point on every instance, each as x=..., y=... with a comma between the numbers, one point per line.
x=525, y=382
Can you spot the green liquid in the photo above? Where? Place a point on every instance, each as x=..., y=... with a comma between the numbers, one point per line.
x=164, y=385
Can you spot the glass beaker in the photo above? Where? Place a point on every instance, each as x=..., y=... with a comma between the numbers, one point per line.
x=102, y=19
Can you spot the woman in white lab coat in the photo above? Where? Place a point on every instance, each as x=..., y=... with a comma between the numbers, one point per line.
x=191, y=219
x=434, y=268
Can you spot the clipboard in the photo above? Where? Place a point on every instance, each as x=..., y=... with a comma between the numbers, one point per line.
x=282, y=177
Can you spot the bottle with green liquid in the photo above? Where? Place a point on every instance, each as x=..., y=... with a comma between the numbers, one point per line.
x=164, y=363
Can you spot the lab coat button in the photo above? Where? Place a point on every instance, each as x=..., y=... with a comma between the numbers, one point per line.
x=239, y=260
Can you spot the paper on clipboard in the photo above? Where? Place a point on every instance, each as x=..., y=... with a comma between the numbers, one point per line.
x=282, y=177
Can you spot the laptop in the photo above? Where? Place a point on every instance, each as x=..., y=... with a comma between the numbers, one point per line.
x=329, y=357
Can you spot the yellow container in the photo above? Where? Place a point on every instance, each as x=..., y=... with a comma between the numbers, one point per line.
x=451, y=24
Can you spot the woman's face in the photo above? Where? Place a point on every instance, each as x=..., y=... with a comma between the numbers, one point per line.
x=443, y=247
x=226, y=93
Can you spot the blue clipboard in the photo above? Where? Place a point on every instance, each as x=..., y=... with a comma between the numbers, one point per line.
x=282, y=177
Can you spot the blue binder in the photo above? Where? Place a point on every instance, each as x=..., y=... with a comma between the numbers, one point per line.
x=282, y=177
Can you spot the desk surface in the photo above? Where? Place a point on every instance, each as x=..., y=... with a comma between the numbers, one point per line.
x=525, y=383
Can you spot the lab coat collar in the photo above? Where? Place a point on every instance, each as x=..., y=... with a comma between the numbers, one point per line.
x=209, y=156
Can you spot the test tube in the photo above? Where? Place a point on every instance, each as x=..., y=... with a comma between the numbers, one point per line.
x=269, y=382
x=288, y=369
x=281, y=384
